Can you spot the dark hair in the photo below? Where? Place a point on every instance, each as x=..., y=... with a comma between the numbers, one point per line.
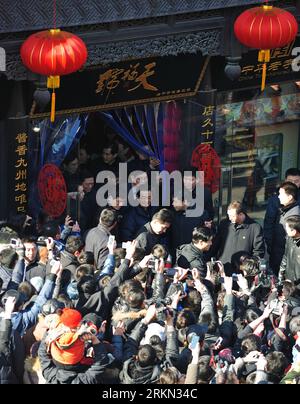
x=66, y=301
x=201, y=234
x=119, y=254
x=163, y=216
x=276, y=365
x=146, y=356
x=294, y=222
x=50, y=229
x=290, y=189
x=205, y=371
x=70, y=157
x=83, y=270
x=113, y=146
x=193, y=301
x=209, y=319
x=185, y=318
x=127, y=286
x=294, y=325
x=87, y=284
x=8, y=257
x=29, y=239
x=108, y=217
x=250, y=343
x=73, y=244
x=293, y=172
x=26, y=289
x=135, y=298
x=86, y=257
x=84, y=174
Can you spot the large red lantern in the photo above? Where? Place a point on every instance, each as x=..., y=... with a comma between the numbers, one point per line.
x=265, y=28
x=53, y=53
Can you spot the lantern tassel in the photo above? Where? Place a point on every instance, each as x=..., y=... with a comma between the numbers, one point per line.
x=264, y=57
x=52, y=116
x=264, y=76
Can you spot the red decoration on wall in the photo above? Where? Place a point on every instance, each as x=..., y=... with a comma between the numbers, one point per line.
x=265, y=28
x=206, y=159
x=171, y=136
x=53, y=53
x=52, y=190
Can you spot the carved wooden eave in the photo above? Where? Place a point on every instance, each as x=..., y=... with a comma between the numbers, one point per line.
x=118, y=29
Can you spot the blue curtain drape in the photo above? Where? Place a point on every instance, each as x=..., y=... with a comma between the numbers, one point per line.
x=141, y=127
x=56, y=140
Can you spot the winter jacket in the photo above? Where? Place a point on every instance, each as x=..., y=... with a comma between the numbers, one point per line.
x=146, y=239
x=134, y=220
x=96, y=242
x=233, y=239
x=12, y=354
x=5, y=275
x=101, y=302
x=189, y=256
x=183, y=226
x=279, y=234
x=62, y=375
x=290, y=264
x=35, y=269
x=132, y=372
x=24, y=319
x=271, y=217
x=69, y=264
x=7, y=375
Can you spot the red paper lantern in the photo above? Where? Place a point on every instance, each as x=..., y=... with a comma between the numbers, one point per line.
x=265, y=28
x=53, y=53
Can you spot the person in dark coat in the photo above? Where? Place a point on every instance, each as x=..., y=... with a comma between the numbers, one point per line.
x=32, y=265
x=291, y=175
x=192, y=255
x=290, y=264
x=68, y=259
x=189, y=182
x=136, y=217
x=12, y=354
x=288, y=194
x=238, y=233
x=97, y=238
x=153, y=232
x=183, y=224
x=8, y=258
x=141, y=362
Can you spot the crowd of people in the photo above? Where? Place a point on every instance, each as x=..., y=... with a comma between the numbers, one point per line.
x=150, y=295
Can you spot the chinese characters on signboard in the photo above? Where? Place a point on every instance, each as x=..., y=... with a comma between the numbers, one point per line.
x=130, y=82
x=280, y=62
x=207, y=124
x=132, y=78
x=21, y=167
